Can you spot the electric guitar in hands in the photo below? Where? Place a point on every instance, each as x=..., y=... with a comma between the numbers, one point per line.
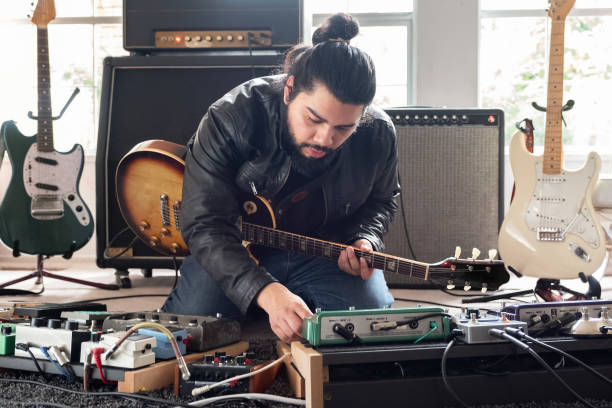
x=149, y=182
x=42, y=212
x=550, y=230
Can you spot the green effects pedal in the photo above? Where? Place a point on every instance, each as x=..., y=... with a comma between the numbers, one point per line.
x=376, y=325
x=7, y=339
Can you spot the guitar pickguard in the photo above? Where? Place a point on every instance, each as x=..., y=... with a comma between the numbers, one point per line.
x=50, y=179
x=557, y=205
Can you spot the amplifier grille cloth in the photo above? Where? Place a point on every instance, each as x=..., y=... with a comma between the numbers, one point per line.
x=450, y=186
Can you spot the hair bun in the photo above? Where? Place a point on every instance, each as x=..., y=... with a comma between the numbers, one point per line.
x=340, y=26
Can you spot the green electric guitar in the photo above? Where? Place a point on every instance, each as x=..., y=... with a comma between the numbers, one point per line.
x=42, y=211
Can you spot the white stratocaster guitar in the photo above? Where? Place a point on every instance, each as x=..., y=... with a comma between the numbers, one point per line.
x=550, y=230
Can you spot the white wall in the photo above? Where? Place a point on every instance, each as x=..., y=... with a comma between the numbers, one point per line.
x=446, y=53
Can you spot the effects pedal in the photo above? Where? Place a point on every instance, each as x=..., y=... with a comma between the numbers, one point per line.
x=474, y=328
x=206, y=332
x=89, y=319
x=7, y=339
x=375, y=325
x=164, y=350
x=592, y=327
x=553, y=318
x=49, y=332
x=136, y=351
x=213, y=369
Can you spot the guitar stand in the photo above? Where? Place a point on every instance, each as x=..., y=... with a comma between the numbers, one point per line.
x=550, y=290
x=39, y=273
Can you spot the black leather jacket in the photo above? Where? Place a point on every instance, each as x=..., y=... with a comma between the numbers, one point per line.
x=239, y=143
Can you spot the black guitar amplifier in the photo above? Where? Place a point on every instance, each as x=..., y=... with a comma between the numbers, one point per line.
x=161, y=97
x=150, y=25
x=451, y=168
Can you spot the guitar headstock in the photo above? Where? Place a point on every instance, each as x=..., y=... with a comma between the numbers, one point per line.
x=559, y=9
x=44, y=13
x=470, y=273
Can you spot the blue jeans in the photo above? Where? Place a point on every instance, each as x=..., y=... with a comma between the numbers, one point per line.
x=318, y=281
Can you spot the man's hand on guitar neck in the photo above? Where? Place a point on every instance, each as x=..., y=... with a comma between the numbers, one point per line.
x=353, y=265
x=285, y=310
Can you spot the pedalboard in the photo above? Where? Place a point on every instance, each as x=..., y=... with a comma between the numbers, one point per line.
x=375, y=325
x=163, y=350
x=474, y=329
x=217, y=368
x=206, y=39
x=54, y=310
x=136, y=351
x=553, y=317
x=206, y=332
x=50, y=332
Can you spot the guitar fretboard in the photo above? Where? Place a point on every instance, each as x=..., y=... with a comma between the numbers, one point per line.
x=273, y=238
x=44, y=138
x=553, y=147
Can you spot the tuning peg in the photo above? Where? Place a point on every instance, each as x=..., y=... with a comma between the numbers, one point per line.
x=467, y=286
x=450, y=285
x=492, y=253
x=457, y=252
x=484, y=287
x=475, y=253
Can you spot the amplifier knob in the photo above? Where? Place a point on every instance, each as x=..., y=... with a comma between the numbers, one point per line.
x=187, y=38
x=230, y=38
x=453, y=118
x=416, y=118
x=198, y=38
x=240, y=38
x=444, y=118
x=464, y=118
x=208, y=38
x=407, y=118
x=398, y=117
x=219, y=38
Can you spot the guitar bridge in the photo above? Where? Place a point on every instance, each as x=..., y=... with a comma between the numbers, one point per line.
x=47, y=207
x=550, y=234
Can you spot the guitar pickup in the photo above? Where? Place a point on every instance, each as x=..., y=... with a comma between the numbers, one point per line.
x=47, y=207
x=550, y=234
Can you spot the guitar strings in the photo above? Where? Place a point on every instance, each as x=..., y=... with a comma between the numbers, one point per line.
x=317, y=247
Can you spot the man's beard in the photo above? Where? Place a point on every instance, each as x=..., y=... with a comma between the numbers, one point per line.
x=306, y=166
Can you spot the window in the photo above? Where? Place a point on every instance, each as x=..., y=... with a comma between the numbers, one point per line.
x=514, y=47
x=385, y=34
x=82, y=34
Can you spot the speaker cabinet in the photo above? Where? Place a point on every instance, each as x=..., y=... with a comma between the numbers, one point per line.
x=451, y=175
x=161, y=97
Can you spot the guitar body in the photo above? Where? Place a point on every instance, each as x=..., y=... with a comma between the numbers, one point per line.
x=149, y=182
x=42, y=211
x=550, y=230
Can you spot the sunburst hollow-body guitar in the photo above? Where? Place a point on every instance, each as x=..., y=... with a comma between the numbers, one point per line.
x=550, y=230
x=149, y=192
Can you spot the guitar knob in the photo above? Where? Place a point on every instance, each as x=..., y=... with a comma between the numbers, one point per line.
x=154, y=240
x=144, y=225
x=450, y=285
x=492, y=253
x=164, y=232
x=467, y=286
x=457, y=252
x=484, y=288
x=475, y=253
x=174, y=248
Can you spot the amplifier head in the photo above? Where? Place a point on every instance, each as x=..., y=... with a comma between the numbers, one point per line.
x=450, y=164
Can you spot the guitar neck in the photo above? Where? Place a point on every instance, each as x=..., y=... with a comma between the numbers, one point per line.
x=44, y=137
x=273, y=238
x=553, y=147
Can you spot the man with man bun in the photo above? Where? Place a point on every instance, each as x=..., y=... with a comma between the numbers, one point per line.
x=309, y=142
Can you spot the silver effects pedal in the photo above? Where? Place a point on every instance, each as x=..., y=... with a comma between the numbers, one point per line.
x=474, y=329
